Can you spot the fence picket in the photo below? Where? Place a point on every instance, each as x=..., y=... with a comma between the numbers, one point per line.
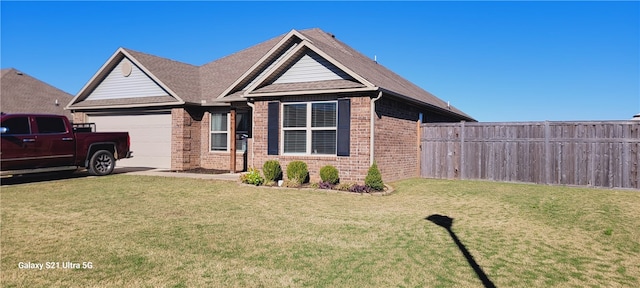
x=589, y=153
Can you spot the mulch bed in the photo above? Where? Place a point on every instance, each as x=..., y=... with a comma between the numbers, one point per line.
x=204, y=171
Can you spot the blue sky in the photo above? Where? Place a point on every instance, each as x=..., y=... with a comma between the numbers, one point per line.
x=496, y=61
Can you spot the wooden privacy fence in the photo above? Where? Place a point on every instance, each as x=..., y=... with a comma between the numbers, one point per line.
x=602, y=154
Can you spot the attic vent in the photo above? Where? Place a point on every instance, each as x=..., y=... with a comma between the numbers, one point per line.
x=126, y=68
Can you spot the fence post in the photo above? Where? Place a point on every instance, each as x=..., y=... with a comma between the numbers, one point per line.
x=547, y=154
x=462, y=149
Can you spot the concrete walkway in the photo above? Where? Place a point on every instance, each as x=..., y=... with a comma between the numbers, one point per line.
x=167, y=173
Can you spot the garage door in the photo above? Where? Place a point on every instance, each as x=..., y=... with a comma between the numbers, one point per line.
x=150, y=137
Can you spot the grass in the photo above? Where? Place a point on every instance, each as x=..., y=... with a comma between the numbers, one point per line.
x=141, y=231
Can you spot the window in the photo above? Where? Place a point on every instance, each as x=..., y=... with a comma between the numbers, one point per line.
x=219, y=133
x=309, y=128
x=17, y=126
x=220, y=127
x=51, y=125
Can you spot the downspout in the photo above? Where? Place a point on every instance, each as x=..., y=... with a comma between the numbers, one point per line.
x=373, y=116
x=253, y=109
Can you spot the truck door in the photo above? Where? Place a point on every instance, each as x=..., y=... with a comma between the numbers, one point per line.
x=54, y=145
x=17, y=143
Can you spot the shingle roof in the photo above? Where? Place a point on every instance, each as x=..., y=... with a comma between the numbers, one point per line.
x=21, y=93
x=217, y=76
x=375, y=73
x=193, y=84
x=182, y=78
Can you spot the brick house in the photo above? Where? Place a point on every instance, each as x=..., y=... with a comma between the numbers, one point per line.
x=300, y=96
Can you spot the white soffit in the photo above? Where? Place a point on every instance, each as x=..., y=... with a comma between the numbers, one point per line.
x=126, y=80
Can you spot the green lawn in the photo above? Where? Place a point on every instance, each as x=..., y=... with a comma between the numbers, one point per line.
x=141, y=231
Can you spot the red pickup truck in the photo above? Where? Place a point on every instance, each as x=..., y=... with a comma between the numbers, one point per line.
x=34, y=143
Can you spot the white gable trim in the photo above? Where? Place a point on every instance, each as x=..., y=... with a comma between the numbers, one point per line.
x=126, y=80
x=299, y=49
x=311, y=67
x=290, y=36
x=104, y=71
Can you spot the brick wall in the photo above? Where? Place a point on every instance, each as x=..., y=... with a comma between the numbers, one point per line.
x=219, y=160
x=352, y=168
x=396, y=135
x=79, y=117
x=185, y=135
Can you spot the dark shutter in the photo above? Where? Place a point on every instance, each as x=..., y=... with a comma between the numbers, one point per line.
x=344, y=127
x=273, y=124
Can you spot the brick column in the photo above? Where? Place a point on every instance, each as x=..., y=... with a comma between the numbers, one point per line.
x=184, y=135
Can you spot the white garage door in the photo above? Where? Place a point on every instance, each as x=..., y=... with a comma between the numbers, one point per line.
x=150, y=137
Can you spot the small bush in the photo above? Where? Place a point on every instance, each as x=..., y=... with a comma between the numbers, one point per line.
x=325, y=185
x=291, y=184
x=374, y=178
x=252, y=177
x=344, y=186
x=359, y=188
x=329, y=174
x=272, y=170
x=297, y=172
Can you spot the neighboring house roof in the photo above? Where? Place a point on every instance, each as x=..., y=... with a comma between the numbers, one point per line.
x=252, y=72
x=21, y=93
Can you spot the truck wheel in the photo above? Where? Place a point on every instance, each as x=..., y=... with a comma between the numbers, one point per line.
x=102, y=163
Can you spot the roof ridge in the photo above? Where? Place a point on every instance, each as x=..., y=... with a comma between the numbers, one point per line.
x=244, y=50
x=128, y=50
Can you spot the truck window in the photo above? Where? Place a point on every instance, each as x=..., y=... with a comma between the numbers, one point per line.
x=17, y=125
x=50, y=125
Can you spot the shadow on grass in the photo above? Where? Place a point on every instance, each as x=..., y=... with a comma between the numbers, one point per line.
x=446, y=223
x=52, y=176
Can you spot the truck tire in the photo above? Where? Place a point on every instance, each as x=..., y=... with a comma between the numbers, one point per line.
x=101, y=163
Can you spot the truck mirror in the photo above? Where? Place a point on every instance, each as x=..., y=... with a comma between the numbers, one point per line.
x=3, y=130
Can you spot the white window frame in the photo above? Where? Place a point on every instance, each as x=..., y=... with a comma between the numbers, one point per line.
x=308, y=129
x=211, y=132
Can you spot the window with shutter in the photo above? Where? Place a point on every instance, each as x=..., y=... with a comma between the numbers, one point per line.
x=310, y=128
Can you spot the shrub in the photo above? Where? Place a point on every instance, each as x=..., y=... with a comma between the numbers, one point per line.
x=272, y=170
x=297, y=172
x=359, y=188
x=329, y=174
x=325, y=185
x=344, y=186
x=291, y=184
x=252, y=177
x=374, y=178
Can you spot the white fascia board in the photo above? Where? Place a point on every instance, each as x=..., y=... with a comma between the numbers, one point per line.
x=276, y=67
x=101, y=74
x=124, y=106
x=307, y=92
x=342, y=67
x=306, y=45
x=283, y=41
x=153, y=77
x=113, y=61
